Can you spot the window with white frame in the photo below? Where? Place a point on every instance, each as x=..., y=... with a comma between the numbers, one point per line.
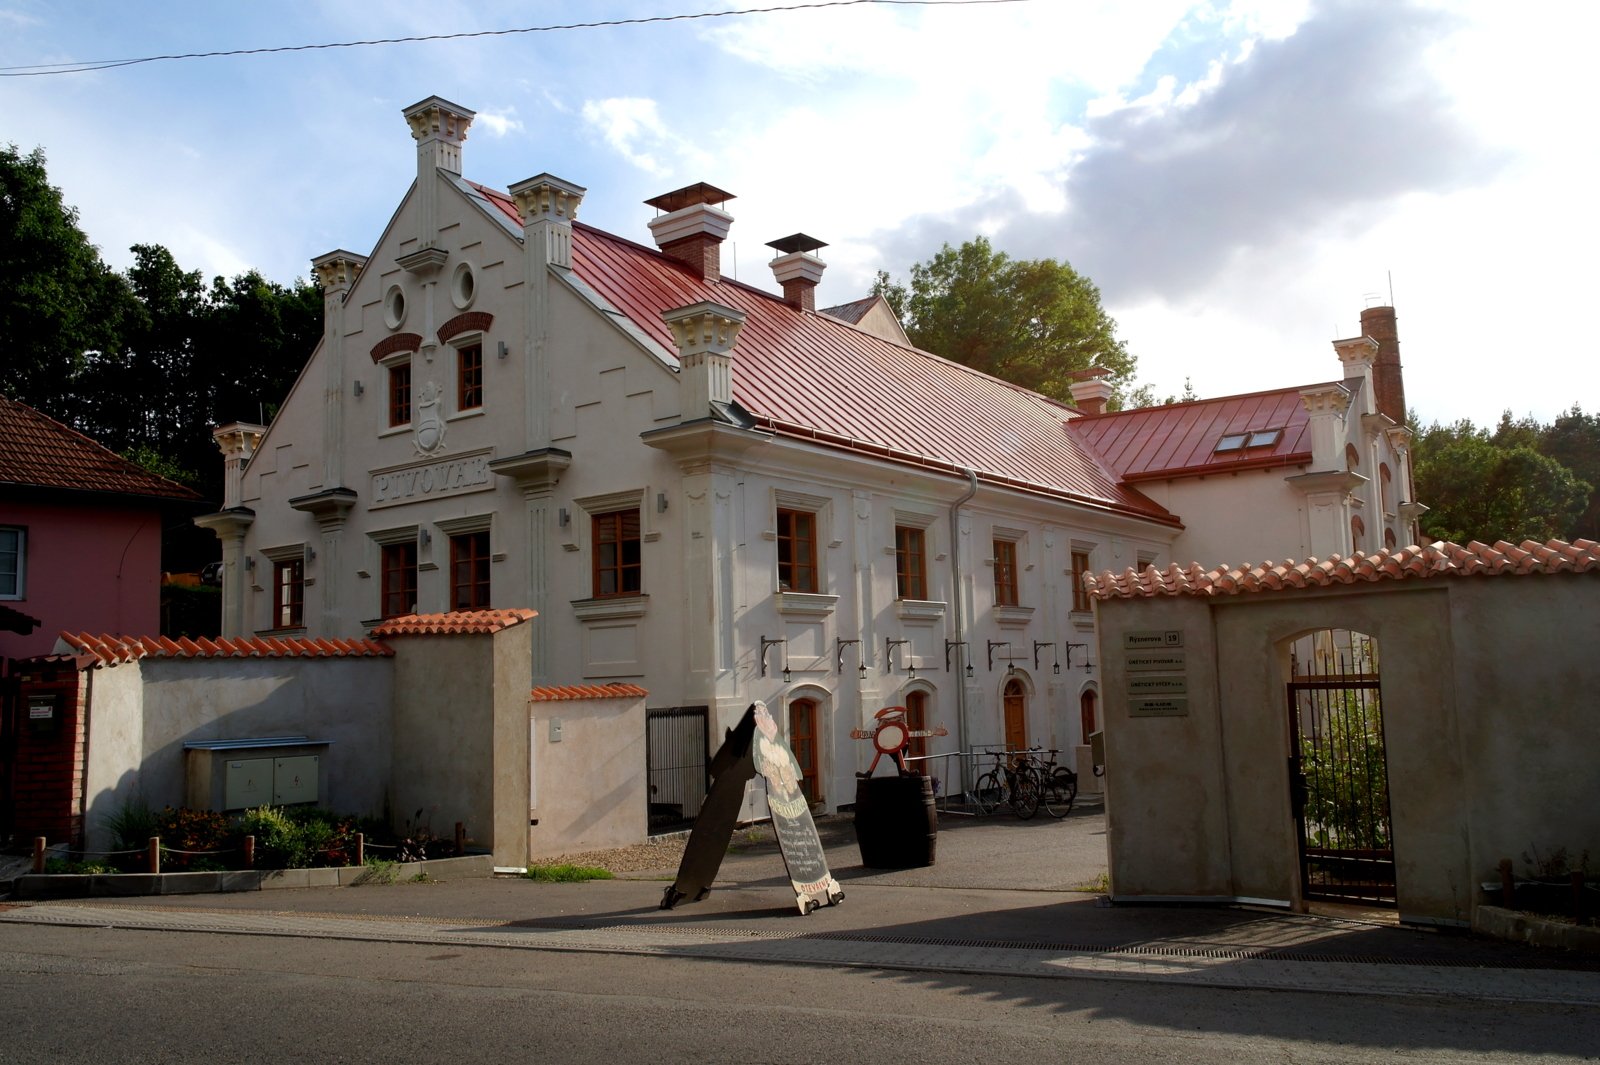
x=13, y=562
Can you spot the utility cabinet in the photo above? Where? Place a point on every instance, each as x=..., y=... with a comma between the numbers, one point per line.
x=239, y=774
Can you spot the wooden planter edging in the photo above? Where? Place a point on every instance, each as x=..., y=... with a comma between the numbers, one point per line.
x=1536, y=931
x=125, y=885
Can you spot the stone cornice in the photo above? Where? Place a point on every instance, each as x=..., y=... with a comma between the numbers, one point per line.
x=328, y=505
x=534, y=471
x=702, y=441
x=1327, y=481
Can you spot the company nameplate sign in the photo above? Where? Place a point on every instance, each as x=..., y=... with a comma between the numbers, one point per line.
x=1170, y=706
x=1139, y=687
x=435, y=479
x=1155, y=661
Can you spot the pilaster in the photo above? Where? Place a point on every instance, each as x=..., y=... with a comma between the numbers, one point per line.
x=548, y=206
x=336, y=272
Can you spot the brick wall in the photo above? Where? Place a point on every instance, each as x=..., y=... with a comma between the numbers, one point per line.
x=48, y=772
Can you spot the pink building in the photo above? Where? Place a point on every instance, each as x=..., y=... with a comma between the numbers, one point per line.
x=80, y=534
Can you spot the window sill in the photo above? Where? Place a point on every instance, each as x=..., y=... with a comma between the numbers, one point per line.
x=472, y=412
x=621, y=606
x=293, y=630
x=1082, y=620
x=394, y=430
x=806, y=604
x=1013, y=617
x=919, y=610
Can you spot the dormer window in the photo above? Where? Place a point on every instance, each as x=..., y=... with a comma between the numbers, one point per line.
x=1254, y=438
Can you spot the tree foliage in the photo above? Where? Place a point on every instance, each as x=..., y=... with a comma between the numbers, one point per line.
x=146, y=362
x=1507, y=484
x=1033, y=322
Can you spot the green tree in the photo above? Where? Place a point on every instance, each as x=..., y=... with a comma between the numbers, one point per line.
x=1488, y=487
x=58, y=300
x=1573, y=440
x=1032, y=322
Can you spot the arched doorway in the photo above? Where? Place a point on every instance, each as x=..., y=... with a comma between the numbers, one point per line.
x=1339, y=778
x=1015, y=700
x=916, y=721
x=1086, y=710
x=803, y=742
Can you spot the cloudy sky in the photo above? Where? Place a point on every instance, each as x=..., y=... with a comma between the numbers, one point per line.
x=1240, y=179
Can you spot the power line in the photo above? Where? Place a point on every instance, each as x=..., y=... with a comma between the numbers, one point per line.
x=46, y=69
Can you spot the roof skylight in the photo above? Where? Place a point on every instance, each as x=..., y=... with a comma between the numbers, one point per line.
x=1254, y=438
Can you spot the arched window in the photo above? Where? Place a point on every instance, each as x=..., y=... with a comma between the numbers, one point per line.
x=1388, y=539
x=1358, y=533
x=1385, y=488
x=1352, y=457
x=1086, y=712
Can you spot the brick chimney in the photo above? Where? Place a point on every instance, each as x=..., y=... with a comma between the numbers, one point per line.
x=692, y=230
x=1090, y=390
x=797, y=270
x=1379, y=324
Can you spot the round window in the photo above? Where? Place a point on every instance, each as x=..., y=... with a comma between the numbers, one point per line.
x=394, y=307
x=463, y=286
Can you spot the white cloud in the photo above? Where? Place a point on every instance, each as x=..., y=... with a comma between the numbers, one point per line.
x=499, y=123
x=633, y=127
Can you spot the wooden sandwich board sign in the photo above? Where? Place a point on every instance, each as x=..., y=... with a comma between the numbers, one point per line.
x=754, y=745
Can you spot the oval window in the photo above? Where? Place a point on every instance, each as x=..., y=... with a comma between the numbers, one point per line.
x=463, y=286
x=394, y=307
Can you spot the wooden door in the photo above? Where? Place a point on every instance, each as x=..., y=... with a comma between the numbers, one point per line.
x=1016, y=705
x=803, y=742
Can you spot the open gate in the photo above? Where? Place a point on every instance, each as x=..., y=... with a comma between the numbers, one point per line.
x=1337, y=770
x=675, y=761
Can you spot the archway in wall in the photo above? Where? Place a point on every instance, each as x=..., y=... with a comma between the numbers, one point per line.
x=1014, y=698
x=1339, y=778
x=1086, y=713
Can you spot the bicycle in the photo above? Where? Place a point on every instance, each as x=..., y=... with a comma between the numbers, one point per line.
x=1058, y=785
x=1015, y=784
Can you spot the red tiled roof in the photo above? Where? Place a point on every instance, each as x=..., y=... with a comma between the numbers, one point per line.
x=587, y=691
x=1441, y=559
x=1180, y=439
x=41, y=452
x=111, y=650
x=455, y=623
x=814, y=377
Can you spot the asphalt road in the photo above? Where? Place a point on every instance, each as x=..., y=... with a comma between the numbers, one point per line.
x=81, y=995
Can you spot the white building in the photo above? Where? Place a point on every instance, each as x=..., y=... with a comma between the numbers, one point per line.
x=703, y=488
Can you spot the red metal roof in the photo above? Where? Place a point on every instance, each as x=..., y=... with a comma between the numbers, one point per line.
x=455, y=623
x=1441, y=559
x=815, y=377
x=853, y=311
x=38, y=451
x=1180, y=440
x=111, y=650
x=587, y=691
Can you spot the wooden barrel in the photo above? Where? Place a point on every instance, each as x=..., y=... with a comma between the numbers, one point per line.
x=897, y=826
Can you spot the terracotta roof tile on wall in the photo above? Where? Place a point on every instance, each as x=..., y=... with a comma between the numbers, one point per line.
x=455, y=623
x=112, y=650
x=41, y=452
x=587, y=691
x=1441, y=559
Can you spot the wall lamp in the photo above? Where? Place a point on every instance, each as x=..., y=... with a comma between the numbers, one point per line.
x=1088, y=666
x=661, y=502
x=503, y=351
x=888, y=654
x=359, y=388
x=1007, y=645
x=839, y=645
x=1056, y=668
x=563, y=518
x=954, y=643
x=765, y=644
x=425, y=538
x=249, y=562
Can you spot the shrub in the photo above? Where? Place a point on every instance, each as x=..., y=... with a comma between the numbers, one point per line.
x=183, y=829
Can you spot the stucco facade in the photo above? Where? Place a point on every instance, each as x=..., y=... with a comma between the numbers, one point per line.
x=584, y=414
x=1486, y=678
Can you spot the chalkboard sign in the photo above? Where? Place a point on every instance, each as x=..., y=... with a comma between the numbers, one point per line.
x=791, y=817
x=755, y=745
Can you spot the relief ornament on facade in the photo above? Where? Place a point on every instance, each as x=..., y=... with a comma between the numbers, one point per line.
x=427, y=425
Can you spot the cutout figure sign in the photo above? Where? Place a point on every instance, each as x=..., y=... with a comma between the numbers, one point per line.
x=752, y=746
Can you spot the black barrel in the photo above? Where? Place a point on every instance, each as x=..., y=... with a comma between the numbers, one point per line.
x=897, y=826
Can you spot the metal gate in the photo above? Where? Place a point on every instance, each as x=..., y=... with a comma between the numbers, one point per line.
x=1337, y=770
x=675, y=759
